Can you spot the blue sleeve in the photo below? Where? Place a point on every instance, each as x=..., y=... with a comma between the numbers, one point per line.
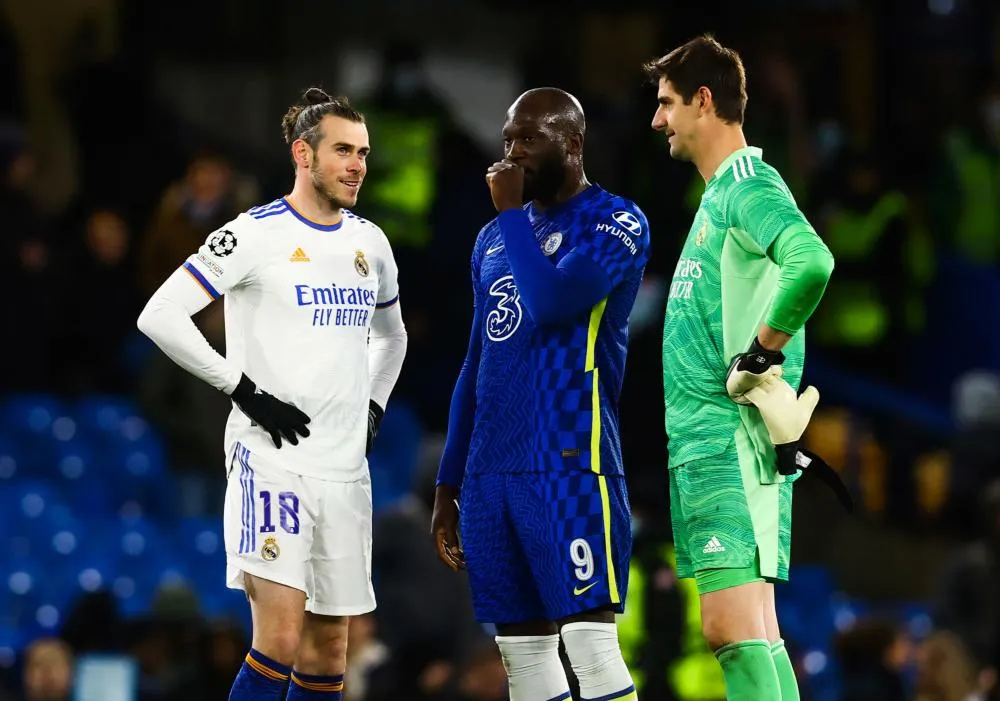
x=617, y=239
x=551, y=293
x=461, y=417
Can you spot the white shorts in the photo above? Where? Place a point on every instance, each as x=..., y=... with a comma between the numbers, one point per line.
x=303, y=532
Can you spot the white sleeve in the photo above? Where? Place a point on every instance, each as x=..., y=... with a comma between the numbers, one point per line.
x=387, y=340
x=386, y=350
x=388, y=279
x=220, y=264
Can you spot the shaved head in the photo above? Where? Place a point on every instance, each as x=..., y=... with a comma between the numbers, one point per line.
x=552, y=107
x=543, y=133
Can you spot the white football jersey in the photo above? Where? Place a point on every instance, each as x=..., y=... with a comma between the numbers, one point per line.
x=299, y=299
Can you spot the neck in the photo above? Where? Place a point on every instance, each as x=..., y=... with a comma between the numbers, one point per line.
x=575, y=184
x=310, y=205
x=719, y=147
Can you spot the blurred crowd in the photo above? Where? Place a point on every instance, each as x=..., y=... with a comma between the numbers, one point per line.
x=905, y=349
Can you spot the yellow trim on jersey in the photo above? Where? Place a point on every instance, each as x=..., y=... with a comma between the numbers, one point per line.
x=596, y=314
x=595, y=443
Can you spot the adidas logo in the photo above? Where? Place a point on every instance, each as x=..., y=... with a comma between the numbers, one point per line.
x=299, y=256
x=713, y=546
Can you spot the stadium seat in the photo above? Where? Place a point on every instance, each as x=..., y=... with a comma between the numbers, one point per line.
x=102, y=415
x=30, y=413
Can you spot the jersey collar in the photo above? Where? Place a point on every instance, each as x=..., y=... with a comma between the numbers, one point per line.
x=573, y=202
x=728, y=163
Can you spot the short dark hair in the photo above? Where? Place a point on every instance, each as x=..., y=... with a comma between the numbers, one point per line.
x=302, y=121
x=703, y=61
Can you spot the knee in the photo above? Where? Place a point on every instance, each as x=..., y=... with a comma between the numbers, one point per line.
x=521, y=654
x=323, y=647
x=280, y=642
x=591, y=646
x=721, y=628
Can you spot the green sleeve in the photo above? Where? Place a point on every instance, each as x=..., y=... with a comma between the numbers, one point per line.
x=805, y=267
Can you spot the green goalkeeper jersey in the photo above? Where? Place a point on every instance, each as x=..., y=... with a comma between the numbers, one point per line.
x=721, y=293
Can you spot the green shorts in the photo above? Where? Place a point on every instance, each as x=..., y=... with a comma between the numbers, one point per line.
x=723, y=517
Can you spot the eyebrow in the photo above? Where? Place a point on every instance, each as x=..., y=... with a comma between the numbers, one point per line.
x=344, y=144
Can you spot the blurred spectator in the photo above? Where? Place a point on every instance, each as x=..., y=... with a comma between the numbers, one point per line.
x=946, y=672
x=872, y=657
x=48, y=671
x=424, y=613
x=192, y=416
x=209, y=195
x=366, y=654
x=104, y=305
x=33, y=308
x=964, y=204
x=93, y=624
x=222, y=651
x=975, y=449
x=872, y=310
x=967, y=603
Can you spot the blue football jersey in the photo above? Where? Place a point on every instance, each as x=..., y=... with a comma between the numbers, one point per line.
x=547, y=396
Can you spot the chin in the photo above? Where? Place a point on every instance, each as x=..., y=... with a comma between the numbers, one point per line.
x=679, y=154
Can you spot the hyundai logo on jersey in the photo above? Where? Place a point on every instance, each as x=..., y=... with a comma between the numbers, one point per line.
x=337, y=306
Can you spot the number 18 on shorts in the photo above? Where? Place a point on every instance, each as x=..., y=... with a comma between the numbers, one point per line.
x=303, y=532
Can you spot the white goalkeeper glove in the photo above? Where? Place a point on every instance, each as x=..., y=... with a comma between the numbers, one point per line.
x=785, y=414
x=786, y=417
x=748, y=369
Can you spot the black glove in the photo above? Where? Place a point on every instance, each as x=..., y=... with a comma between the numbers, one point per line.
x=746, y=369
x=375, y=413
x=792, y=458
x=273, y=415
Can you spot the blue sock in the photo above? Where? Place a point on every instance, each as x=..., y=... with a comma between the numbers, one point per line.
x=315, y=686
x=260, y=679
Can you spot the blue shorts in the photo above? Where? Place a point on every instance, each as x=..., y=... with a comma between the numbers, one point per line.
x=541, y=547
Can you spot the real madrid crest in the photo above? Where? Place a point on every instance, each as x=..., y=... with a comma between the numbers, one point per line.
x=360, y=264
x=700, y=236
x=552, y=243
x=270, y=550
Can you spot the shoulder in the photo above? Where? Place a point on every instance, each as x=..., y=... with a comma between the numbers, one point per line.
x=242, y=233
x=624, y=212
x=368, y=230
x=749, y=176
x=484, y=239
x=621, y=219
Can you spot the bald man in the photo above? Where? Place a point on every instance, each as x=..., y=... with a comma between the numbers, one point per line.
x=533, y=455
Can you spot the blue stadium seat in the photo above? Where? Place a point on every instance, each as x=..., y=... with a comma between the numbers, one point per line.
x=103, y=415
x=30, y=413
x=393, y=460
x=916, y=617
x=11, y=459
x=12, y=640
x=21, y=589
x=31, y=419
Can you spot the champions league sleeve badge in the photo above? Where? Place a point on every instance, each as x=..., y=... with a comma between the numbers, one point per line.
x=221, y=243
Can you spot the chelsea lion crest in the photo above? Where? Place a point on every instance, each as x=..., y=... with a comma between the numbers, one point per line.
x=270, y=550
x=360, y=264
x=552, y=243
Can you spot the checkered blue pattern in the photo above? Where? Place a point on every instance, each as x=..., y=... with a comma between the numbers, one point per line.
x=535, y=545
x=534, y=392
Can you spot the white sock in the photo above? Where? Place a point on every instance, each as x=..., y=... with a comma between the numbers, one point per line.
x=597, y=662
x=534, y=670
